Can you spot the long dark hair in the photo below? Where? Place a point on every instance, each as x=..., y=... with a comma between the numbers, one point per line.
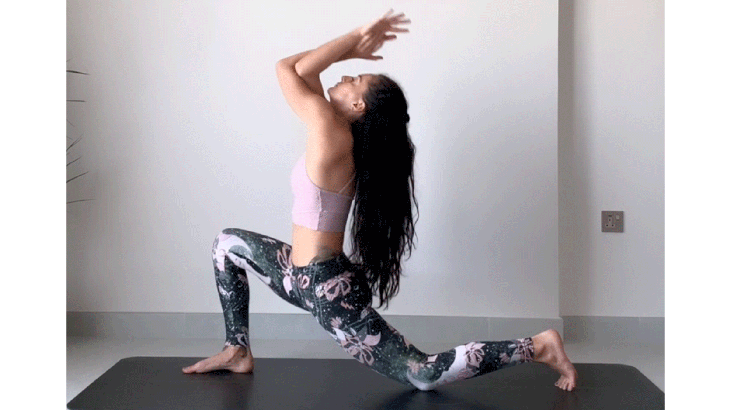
x=383, y=226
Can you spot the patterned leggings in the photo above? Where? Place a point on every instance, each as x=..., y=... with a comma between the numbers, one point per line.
x=341, y=302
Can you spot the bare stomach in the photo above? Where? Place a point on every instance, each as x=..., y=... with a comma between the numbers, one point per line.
x=308, y=244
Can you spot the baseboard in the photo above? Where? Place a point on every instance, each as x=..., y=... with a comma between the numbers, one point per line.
x=297, y=326
x=618, y=330
x=573, y=329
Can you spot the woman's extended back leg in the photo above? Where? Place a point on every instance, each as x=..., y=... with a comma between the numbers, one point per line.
x=393, y=355
x=343, y=308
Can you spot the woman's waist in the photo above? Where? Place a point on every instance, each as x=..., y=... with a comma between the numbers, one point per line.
x=314, y=247
x=309, y=243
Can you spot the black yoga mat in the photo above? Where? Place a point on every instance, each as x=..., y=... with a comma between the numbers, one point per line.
x=142, y=383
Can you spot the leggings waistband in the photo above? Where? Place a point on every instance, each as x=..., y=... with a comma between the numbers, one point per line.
x=326, y=268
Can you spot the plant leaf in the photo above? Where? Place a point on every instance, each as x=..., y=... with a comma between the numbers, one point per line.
x=73, y=143
x=80, y=175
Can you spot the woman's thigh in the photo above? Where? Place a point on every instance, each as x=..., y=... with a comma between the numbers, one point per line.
x=343, y=307
x=267, y=258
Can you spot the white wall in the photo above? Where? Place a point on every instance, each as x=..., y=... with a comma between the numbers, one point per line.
x=611, y=157
x=186, y=133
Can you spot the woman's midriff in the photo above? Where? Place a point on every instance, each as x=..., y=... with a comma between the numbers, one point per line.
x=306, y=244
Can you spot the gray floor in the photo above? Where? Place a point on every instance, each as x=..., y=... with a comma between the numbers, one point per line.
x=88, y=358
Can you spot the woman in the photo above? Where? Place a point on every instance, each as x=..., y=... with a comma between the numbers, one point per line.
x=358, y=148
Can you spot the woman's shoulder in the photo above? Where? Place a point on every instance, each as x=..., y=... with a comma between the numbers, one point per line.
x=329, y=147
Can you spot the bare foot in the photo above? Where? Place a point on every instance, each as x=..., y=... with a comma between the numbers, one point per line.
x=237, y=359
x=549, y=350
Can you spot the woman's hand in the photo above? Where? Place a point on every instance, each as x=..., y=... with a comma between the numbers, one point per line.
x=375, y=34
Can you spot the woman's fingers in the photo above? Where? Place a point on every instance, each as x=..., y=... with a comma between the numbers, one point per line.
x=372, y=43
x=376, y=34
x=398, y=19
x=394, y=21
x=388, y=29
x=388, y=23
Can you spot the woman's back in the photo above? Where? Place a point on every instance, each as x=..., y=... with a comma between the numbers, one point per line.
x=329, y=169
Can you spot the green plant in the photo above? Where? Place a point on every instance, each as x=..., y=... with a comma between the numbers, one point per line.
x=74, y=142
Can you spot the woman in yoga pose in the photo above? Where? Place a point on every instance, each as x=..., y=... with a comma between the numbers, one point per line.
x=358, y=150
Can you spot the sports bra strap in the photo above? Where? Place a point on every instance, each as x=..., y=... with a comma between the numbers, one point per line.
x=346, y=185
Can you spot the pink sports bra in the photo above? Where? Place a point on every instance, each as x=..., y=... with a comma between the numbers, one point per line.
x=315, y=208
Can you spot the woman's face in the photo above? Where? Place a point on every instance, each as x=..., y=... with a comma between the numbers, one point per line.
x=347, y=95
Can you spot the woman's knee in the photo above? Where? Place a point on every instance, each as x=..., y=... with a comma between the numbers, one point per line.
x=222, y=234
x=226, y=234
x=229, y=232
x=226, y=239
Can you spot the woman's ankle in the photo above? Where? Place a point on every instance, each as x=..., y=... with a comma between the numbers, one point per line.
x=539, y=345
x=237, y=350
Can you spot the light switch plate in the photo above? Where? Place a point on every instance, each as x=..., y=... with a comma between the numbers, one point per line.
x=612, y=221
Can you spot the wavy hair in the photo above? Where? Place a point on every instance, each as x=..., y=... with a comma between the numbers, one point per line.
x=383, y=228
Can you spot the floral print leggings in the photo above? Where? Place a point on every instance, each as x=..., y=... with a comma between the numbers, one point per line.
x=341, y=302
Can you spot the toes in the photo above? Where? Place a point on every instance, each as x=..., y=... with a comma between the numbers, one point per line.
x=195, y=368
x=565, y=384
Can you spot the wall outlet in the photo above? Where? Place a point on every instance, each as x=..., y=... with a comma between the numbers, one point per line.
x=612, y=221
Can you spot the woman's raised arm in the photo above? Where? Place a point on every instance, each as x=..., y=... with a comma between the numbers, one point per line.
x=358, y=43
